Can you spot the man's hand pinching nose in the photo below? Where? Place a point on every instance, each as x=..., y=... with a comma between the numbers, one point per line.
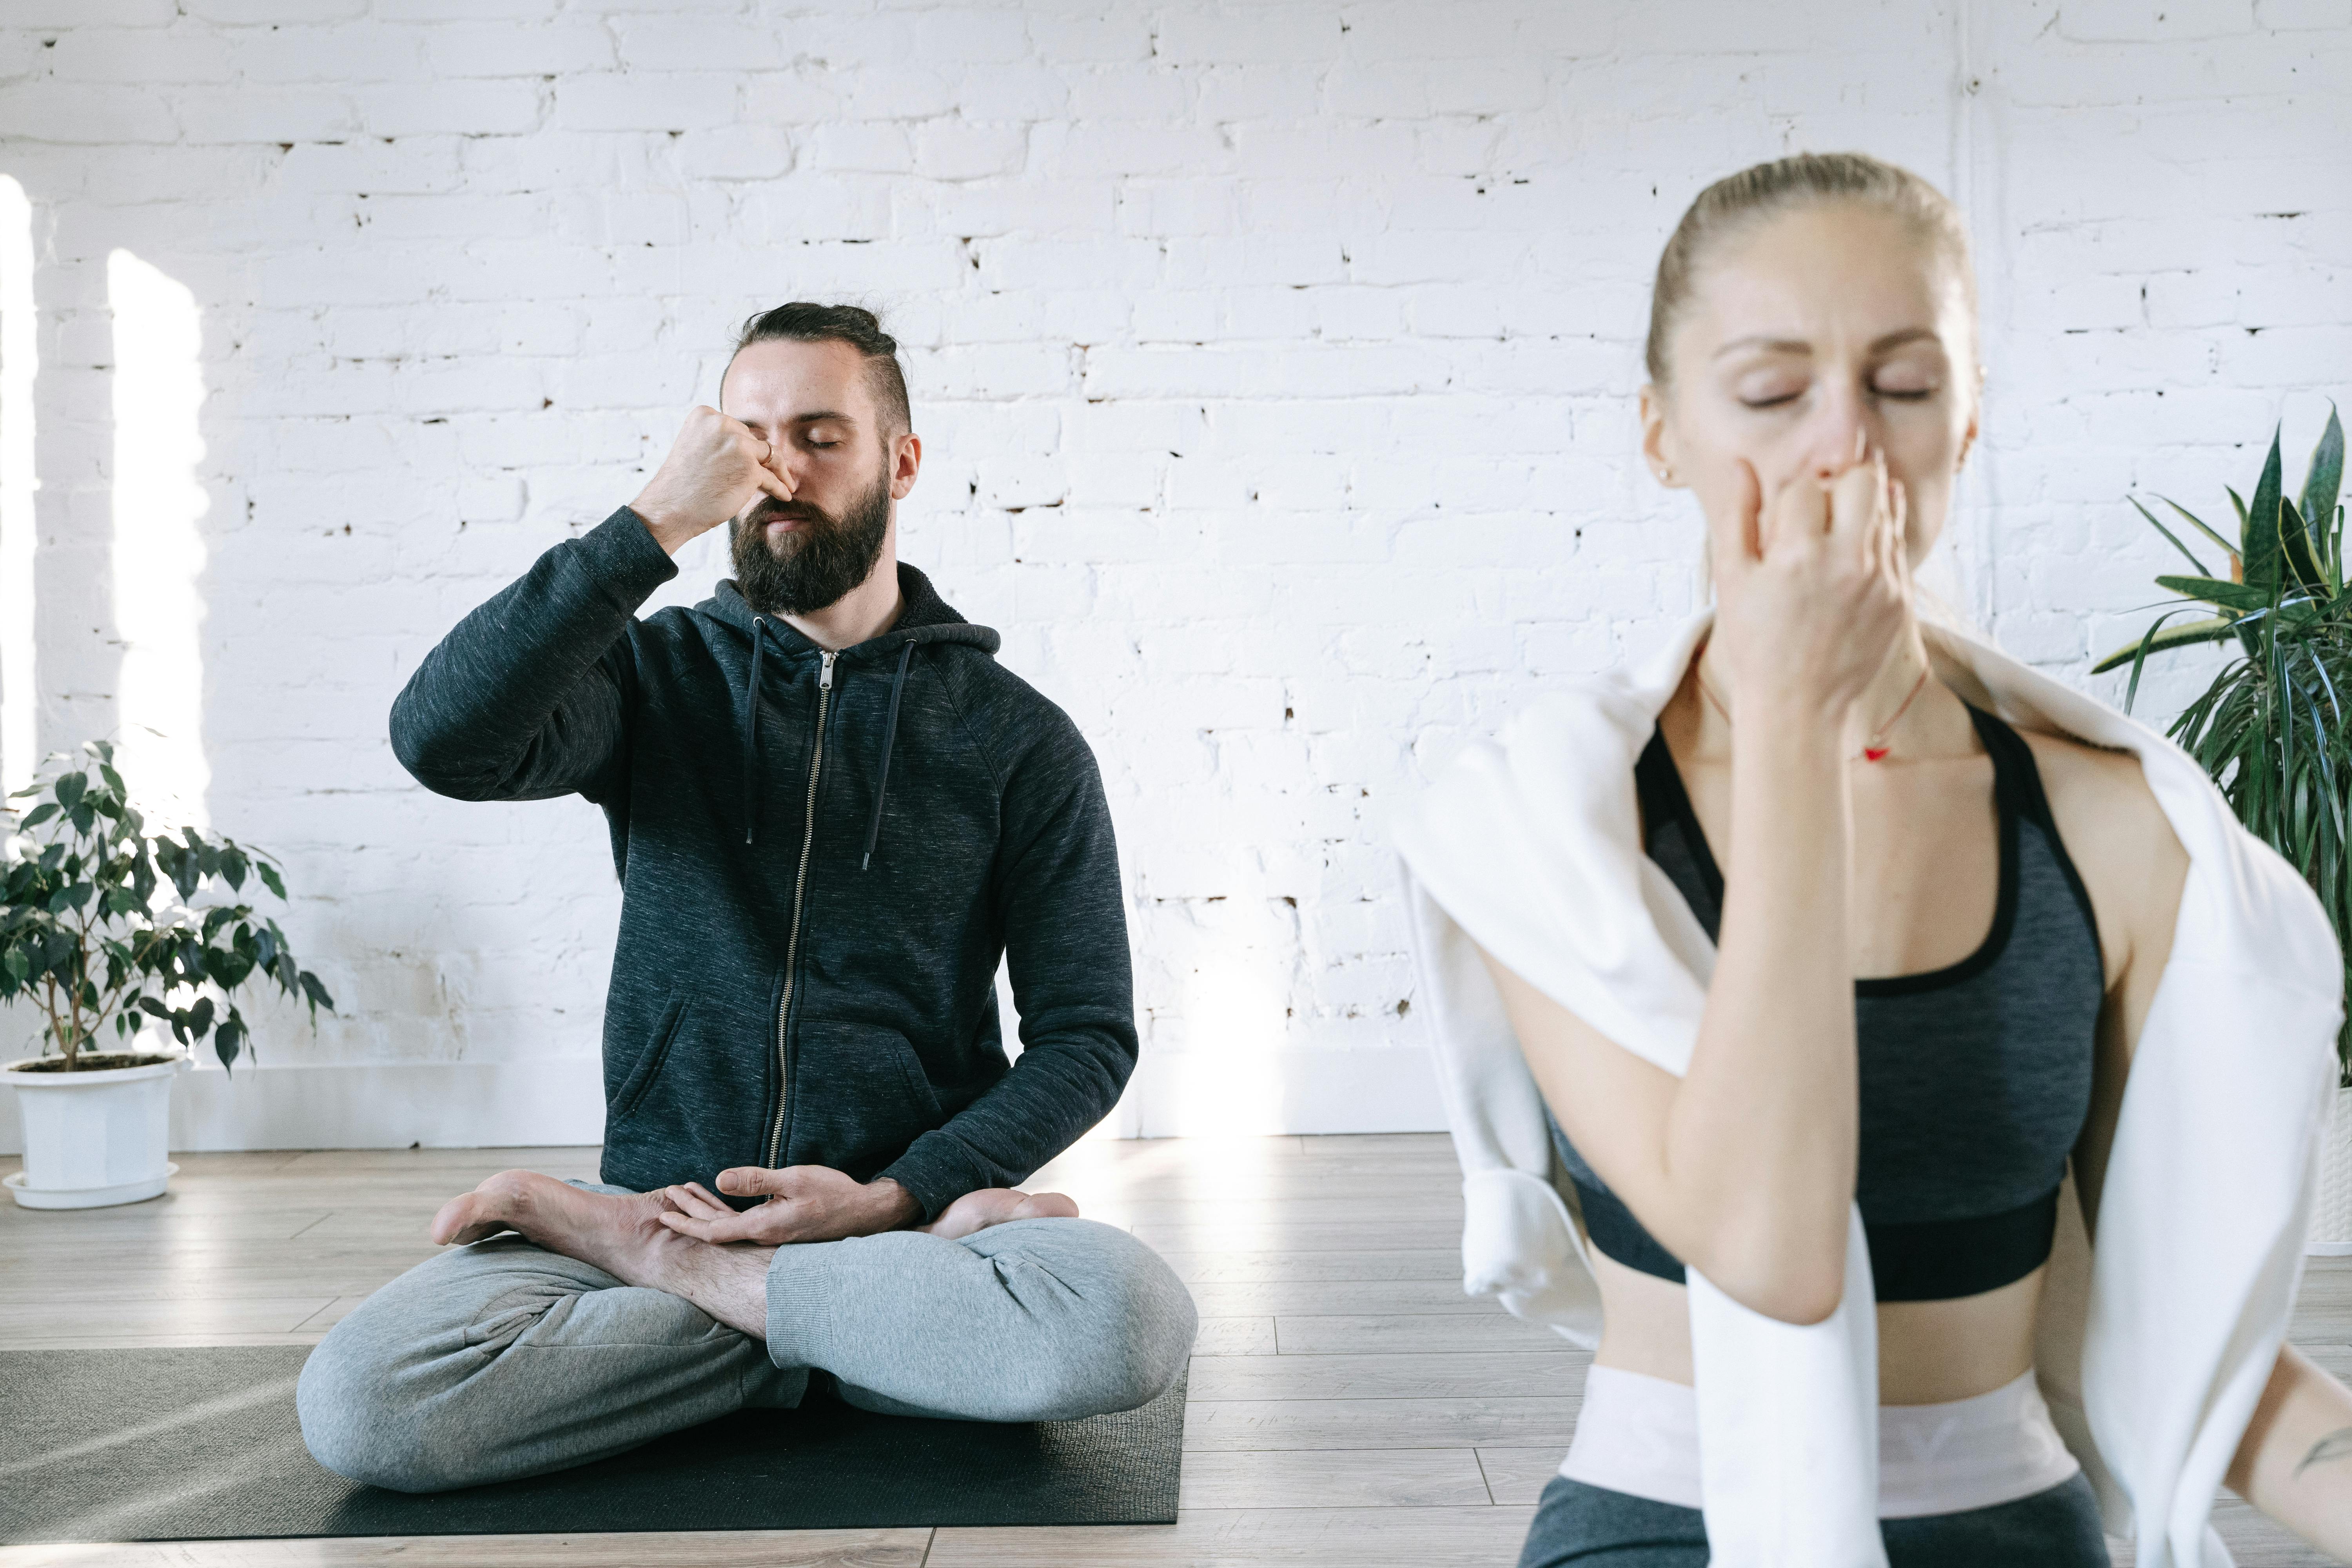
x=716, y=468
x=805, y=1203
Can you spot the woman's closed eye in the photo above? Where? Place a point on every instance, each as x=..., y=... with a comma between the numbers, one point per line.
x=1899, y=389
x=1905, y=383
x=1770, y=390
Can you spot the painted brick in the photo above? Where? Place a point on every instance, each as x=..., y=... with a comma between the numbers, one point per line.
x=144, y=55
x=627, y=101
x=61, y=111
x=452, y=108
x=2108, y=21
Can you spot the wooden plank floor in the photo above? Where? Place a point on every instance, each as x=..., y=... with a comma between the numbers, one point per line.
x=1349, y=1405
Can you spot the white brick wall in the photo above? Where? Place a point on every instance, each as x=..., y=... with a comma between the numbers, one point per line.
x=1276, y=361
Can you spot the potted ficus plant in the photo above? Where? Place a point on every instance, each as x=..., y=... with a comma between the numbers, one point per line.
x=103, y=930
x=2275, y=727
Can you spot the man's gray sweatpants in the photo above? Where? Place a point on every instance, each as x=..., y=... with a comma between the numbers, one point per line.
x=500, y=1360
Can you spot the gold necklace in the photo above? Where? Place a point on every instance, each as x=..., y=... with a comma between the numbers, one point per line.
x=1875, y=749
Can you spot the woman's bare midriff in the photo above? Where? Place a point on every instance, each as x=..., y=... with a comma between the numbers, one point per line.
x=1929, y=1352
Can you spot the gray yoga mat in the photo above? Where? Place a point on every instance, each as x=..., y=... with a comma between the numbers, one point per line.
x=190, y=1444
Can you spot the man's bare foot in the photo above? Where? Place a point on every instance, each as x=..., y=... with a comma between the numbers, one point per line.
x=994, y=1205
x=620, y=1233
x=616, y=1233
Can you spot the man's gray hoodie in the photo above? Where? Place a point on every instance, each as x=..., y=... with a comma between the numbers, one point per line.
x=822, y=858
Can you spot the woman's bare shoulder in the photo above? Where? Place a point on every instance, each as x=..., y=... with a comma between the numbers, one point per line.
x=2116, y=835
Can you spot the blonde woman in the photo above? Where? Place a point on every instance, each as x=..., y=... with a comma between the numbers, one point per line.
x=1832, y=947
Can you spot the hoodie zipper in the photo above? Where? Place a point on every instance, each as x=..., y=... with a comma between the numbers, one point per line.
x=793, y=942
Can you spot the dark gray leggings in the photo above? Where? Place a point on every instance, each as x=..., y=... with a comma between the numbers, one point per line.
x=1596, y=1527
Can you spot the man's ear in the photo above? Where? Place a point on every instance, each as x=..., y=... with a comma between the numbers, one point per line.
x=906, y=462
x=1658, y=439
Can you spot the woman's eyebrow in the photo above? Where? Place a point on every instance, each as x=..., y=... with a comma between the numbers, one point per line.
x=1800, y=347
x=1774, y=345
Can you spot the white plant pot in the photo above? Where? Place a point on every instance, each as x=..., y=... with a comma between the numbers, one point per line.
x=92, y=1139
x=2331, y=1210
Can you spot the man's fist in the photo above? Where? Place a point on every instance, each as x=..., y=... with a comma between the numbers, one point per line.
x=806, y=1203
x=715, y=469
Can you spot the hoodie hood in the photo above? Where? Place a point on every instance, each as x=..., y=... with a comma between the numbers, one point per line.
x=923, y=618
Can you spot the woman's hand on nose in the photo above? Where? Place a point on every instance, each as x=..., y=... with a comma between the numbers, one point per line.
x=1814, y=586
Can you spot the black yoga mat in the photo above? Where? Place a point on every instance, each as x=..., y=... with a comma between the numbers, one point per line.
x=190, y=1444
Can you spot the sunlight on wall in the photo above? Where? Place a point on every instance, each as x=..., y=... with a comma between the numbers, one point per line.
x=1224, y=1082
x=159, y=555
x=19, y=356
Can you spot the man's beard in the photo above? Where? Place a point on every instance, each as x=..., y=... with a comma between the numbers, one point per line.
x=816, y=563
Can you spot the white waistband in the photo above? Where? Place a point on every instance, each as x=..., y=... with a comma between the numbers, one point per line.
x=1639, y=1435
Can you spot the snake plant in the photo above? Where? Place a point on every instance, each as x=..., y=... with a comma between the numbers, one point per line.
x=2273, y=730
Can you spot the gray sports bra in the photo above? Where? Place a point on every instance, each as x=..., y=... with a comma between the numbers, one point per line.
x=1976, y=1078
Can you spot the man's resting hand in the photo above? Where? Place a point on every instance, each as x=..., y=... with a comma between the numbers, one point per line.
x=806, y=1203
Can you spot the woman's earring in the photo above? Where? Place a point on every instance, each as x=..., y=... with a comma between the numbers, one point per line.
x=1665, y=473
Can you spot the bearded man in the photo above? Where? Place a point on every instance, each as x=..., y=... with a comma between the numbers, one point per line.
x=832, y=812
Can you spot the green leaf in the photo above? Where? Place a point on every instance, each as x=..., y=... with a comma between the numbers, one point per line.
x=233, y=865
x=2214, y=591
x=2325, y=481
x=2261, y=527
x=2169, y=637
x=316, y=992
x=200, y=1017
x=2199, y=524
x=2168, y=534
x=38, y=814
x=228, y=1039
x=69, y=790
x=269, y=877
x=2295, y=542
x=2139, y=657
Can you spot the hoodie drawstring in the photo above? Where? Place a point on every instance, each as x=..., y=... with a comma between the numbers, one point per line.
x=889, y=740
x=751, y=731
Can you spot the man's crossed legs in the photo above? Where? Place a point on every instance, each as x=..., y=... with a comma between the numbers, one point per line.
x=598, y=1328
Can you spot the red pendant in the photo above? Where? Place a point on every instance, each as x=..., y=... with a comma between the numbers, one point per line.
x=1873, y=754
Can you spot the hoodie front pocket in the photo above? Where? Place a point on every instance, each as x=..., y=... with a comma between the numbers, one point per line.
x=859, y=1097
x=649, y=1064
